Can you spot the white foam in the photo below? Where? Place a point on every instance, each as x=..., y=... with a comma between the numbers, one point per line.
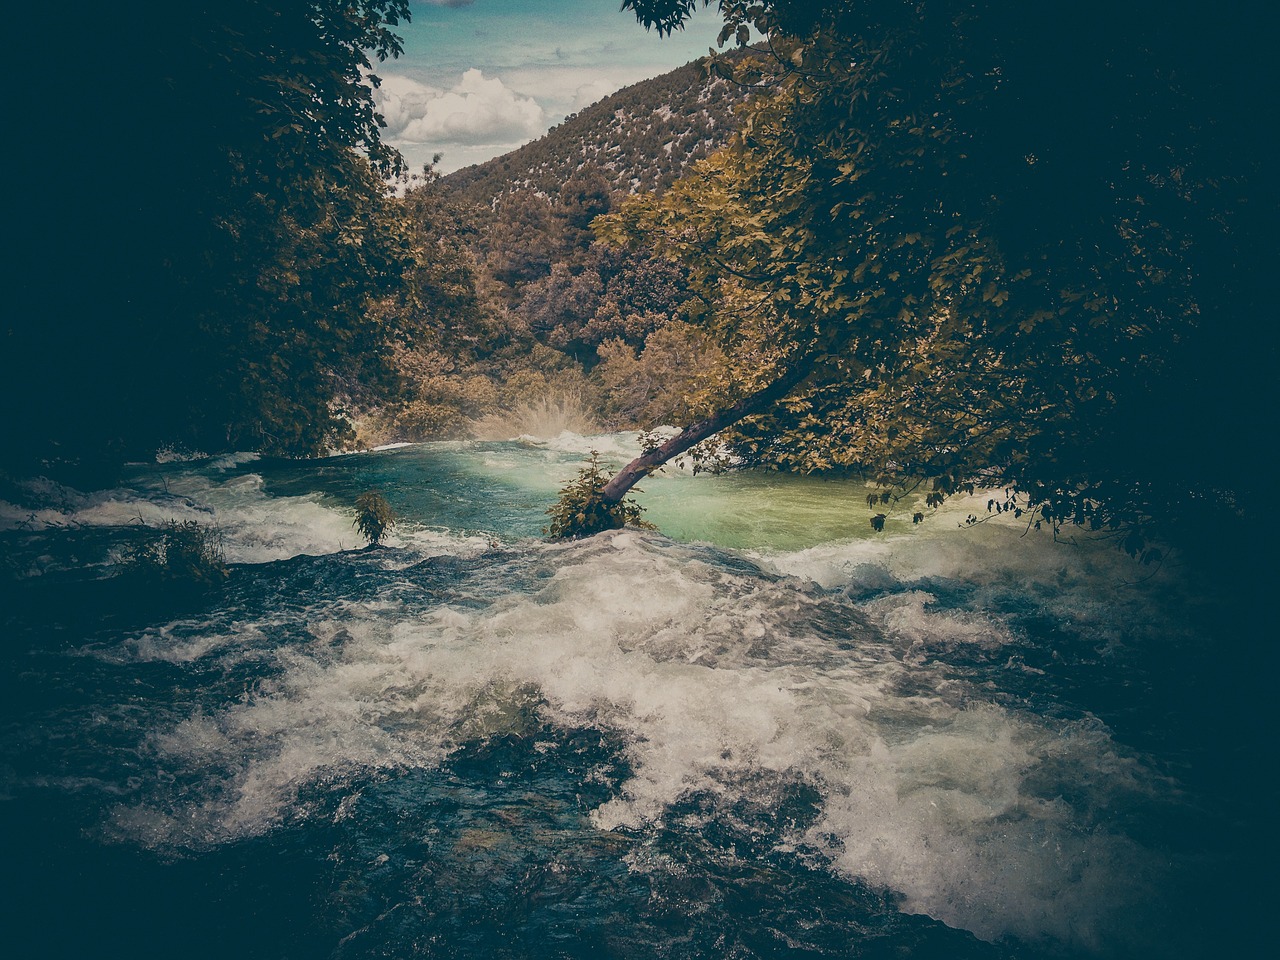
x=252, y=526
x=926, y=633
x=102, y=508
x=257, y=528
x=945, y=819
x=710, y=677
x=613, y=447
x=162, y=644
x=178, y=455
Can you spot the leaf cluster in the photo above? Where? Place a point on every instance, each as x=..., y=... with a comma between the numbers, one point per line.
x=1003, y=248
x=582, y=511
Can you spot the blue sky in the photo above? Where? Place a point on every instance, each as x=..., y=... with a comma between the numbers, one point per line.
x=478, y=78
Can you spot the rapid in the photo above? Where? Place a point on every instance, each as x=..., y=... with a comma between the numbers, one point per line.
x=765, y=731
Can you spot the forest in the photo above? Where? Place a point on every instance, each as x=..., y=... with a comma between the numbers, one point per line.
x=924, y=243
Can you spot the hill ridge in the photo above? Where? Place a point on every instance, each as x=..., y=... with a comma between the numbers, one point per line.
x=640, y=138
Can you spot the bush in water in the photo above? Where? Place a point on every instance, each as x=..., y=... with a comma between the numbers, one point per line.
x=374, y=517
x=582, y=510
x=185, y=552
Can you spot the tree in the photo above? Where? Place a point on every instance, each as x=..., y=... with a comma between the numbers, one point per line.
x=520, y=240
x=580, y=199
x=442, y=329
x=606, y=293
x=204, y=219
x=1002, y=243
x=662, y=382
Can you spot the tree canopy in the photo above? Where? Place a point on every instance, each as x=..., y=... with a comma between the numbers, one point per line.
x=202, y=221
x=1002, y=243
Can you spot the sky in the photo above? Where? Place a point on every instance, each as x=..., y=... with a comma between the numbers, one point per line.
x=479, y=78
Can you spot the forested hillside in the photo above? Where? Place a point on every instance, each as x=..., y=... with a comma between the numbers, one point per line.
x=640, y=139
x=546, y=326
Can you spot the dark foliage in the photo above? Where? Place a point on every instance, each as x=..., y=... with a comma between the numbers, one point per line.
x=199, y=203
x=1014, y=244
x=182, y=554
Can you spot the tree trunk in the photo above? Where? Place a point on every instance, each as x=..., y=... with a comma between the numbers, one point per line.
x=647, y=463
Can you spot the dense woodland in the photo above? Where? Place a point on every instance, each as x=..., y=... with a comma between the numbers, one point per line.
x=1001, y=245
x=553, y=325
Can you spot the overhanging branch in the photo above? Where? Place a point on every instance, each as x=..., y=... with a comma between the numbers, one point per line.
x=695, y=433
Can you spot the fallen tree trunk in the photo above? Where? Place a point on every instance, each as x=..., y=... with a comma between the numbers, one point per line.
x=695, y=433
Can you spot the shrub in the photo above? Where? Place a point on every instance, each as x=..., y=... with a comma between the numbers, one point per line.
x=185, y=552
x=659, y=384
x=582, y=510
x=374, y=517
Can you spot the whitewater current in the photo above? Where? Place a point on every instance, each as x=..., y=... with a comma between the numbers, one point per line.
x=766, y=730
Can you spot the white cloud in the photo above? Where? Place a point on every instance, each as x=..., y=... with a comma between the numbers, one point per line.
x=477, y=110
x=589, y=93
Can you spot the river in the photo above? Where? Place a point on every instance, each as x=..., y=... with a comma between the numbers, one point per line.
x=765, y=731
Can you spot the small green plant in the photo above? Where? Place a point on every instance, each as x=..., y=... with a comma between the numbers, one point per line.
x=709, y=456
x=374, y=516
x=582, y=510
x=185, y=552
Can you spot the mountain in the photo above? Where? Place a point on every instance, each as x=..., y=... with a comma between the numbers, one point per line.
x=518, y=307
x=640, y=138
x=528, y=213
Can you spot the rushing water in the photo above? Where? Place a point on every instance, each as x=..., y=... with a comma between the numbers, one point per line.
x=765, y=732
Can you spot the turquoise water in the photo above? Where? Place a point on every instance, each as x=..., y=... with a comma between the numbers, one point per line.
x=505, y=488
x=765, y=731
